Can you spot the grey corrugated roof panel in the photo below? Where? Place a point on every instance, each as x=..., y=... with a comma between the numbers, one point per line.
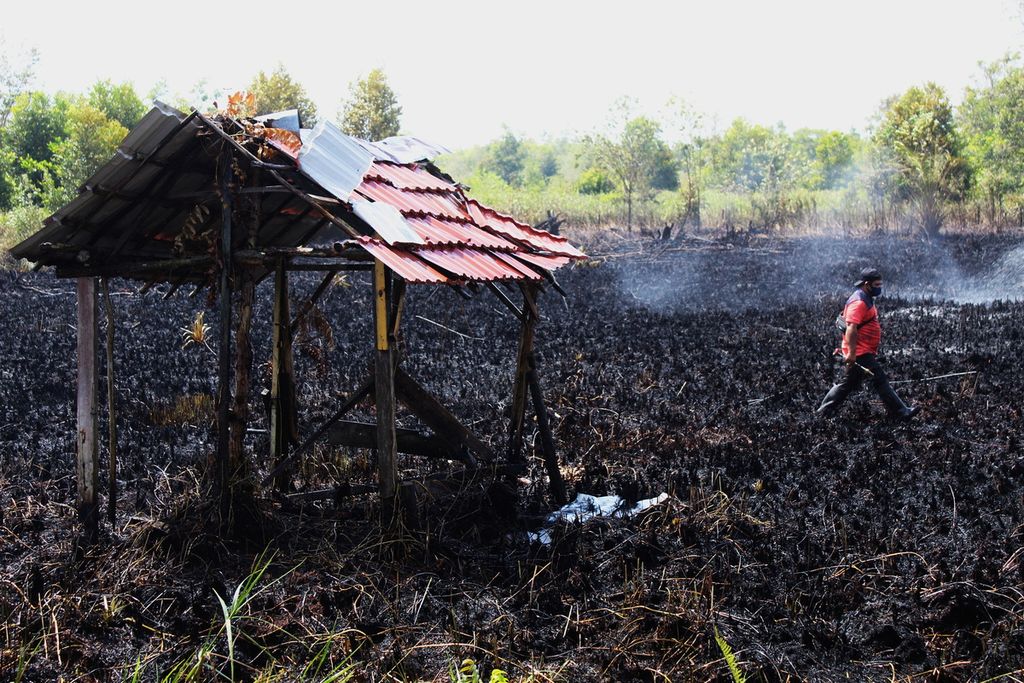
x=387, y=221
x=147, y=133
x=405, y=149
x=333, y=160
x=152, y=130
x=402, y=149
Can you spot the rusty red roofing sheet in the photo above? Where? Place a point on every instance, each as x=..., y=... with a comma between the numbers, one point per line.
x=402, y=262
x=475, y=264
x=441, y=231
x=442, y=205
x=411, y=177
x=543, y=261
x=518, y=265
x=537, y=239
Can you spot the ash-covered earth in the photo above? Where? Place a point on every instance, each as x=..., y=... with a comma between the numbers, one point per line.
x=851, y=548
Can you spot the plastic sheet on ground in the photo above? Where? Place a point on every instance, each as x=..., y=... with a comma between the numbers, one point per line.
x=587, y=507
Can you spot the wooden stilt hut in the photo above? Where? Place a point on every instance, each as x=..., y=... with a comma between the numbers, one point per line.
x=225, y=201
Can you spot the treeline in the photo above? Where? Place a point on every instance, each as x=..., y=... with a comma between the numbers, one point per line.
x=922, y=166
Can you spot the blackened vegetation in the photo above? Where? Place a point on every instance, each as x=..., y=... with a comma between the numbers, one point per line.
x=819, y=548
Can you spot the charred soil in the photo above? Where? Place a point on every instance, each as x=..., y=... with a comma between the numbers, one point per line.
x=855, y=547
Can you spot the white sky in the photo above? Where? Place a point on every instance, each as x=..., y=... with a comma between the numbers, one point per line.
x=463, y=69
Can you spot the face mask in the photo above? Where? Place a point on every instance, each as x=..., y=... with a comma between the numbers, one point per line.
x=875, y=291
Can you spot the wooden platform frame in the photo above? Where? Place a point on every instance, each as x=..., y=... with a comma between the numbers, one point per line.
x=238, y=270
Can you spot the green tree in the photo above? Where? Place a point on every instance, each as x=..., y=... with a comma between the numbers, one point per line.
x=992, y=119
x=279, y=91
x=634, y=160
x=749, y=157
x=919, y=138
x=371, y=111
x=595, y=181
x=691, y=153
x=92, y=138
x=833, y=159
x=505, y=158
x=36, y=122
x=119, y=102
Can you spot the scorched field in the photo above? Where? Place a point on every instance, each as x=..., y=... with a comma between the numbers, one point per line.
x=850, y=548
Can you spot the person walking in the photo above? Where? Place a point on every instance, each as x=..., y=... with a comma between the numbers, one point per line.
x=860, y=351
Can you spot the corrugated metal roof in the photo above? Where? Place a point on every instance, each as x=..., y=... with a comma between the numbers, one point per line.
x=408, y=177
x=427, y=203
x=504, y=225
x=404, y=149
x=402, y=262
x=545, y=262
x=474, y=264
x=442, y=231
x=511, y=260
x=387, y=222
x=144, y=141
x=427, y=231
x=333, y=160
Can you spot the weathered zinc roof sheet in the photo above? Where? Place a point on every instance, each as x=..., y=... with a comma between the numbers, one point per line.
x=403, y=149
x=387, y=222
x=333, y=160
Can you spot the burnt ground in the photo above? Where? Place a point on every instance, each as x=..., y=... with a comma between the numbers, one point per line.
x=855, y=548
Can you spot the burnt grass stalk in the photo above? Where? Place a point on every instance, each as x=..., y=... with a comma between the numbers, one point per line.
x=849, y=548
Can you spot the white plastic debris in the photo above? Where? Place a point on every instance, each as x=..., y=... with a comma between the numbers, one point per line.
x=586, y=507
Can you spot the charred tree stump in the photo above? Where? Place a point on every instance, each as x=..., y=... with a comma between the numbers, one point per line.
x=111, y=408
x=86, y=470
x=283, y=418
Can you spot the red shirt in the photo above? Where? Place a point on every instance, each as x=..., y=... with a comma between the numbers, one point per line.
x=860, y=311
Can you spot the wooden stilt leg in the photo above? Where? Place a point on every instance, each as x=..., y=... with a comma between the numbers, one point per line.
x=243, y=368
x=519, y=387
x=384, y=388
x=86, y=470
x=547, y=440
x=283, y=427
x=220, y=468
x=111, y=409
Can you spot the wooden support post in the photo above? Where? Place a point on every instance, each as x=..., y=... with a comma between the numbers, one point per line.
x=547, y=440
x=519, y=387
x=86, y=470
x=111, y=408
x=224, y=347
x=283, y=419
x=384, y=386
x=239, y=461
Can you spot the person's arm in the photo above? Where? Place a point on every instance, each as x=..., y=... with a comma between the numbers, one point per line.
x=851, y=344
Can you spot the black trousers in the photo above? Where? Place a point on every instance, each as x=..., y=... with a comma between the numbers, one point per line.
x=855, y=376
